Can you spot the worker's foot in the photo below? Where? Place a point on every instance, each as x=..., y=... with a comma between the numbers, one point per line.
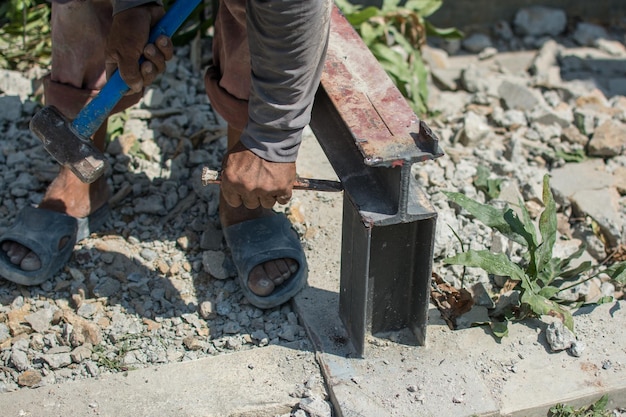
x=265, y=277
x=68, y=195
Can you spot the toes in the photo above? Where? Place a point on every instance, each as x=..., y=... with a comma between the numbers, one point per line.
x=30, y=262
x=16, y=253
x=22, y=256
x=264, y=278
x=292, y=265
x=280, y=270
x=259, y=282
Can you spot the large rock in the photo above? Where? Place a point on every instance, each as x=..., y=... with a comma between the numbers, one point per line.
x=475, y=129
x=590, y=60
x=540, y=21
x=10, y=108
x=476, y=79
x=609, y=139
x=571, y=134
x=476, y=42
x=619, y=175
x=591, y=191
x=559, y=337
x=603, y=207
x=587, y=34
x=568, y=179
x=545, y=115
x=545, y=66
x=13, y=83
x=517, y=96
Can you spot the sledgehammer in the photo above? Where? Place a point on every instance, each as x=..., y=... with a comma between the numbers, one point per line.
x=69, y=141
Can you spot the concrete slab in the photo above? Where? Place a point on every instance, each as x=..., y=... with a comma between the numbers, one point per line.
x=458, y=373
x=466, y=372
x=253, y=383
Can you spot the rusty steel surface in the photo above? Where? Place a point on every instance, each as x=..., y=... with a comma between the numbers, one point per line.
x=372, y=138
x=385, y=128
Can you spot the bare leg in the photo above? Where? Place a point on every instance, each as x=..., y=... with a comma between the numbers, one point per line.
x=265, y=277
x=79, y=30
x=66, y=194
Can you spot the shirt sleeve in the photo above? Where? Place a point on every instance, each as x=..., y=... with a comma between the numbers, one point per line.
x=288, y=40
x=121, y=5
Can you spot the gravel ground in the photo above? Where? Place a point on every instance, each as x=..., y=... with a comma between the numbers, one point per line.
x=155, y=285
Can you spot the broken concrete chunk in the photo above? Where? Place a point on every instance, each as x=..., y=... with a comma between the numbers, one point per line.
x=559, y=337
x=540, y=21
x=609, y=139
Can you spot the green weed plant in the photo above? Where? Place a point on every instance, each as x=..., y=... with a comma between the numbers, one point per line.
x=489, y=186
x=24, y=34
x=539, y=272
x=395, y=33
x=597, y=409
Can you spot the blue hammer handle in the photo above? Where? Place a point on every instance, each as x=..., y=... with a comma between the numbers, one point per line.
x=97, y=110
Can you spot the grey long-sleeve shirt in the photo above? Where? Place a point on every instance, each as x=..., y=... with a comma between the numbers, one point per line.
x=287, y=40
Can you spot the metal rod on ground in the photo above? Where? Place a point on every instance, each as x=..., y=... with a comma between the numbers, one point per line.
x=210, y=176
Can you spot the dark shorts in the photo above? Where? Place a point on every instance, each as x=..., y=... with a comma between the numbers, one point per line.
x=79, y=33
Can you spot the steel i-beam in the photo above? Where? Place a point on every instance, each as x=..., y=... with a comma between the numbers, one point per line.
x=372, y=138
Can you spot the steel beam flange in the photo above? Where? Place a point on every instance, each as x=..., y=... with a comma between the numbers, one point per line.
x=372, y=138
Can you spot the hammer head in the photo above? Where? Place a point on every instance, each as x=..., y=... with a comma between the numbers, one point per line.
x=66, y=146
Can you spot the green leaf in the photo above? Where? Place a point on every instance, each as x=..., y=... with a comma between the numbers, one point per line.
x=394, y=68
x=617, y=272
x=577, y=155
x=547, y=227
x=540, y=305
x=488, y=215
x=580, y=269
x=577, y=254
x=562, y=410
x=368, y=33
x=424, y=8
x=500, y=329
x=390, y=5
x=550, y=271
x=422, y=80
x=528, y=224
x=489, y=186
x=358, y=17
x=445, y=33
x=520, y=228
x=347, y=8
x=601, y=404
x=385, y=53
x=604, y=300
x=493, y=263
x=549, y=291
x=530, y=285
x=401, y=41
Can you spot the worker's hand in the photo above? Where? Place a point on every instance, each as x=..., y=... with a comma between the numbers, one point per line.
x=252, y=181
x=128, y=41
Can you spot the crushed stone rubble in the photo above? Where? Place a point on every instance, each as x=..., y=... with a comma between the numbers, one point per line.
x=533, y=98
x=156, y=285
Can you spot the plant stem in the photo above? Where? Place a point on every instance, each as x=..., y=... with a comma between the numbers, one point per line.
x=462, y=250
x=581, y=282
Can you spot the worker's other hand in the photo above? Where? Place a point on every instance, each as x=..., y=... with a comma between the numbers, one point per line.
x=252, y=181
x=128, y=41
